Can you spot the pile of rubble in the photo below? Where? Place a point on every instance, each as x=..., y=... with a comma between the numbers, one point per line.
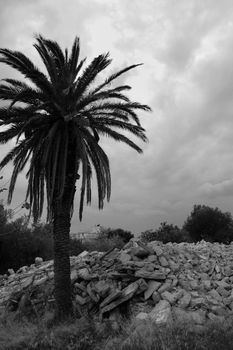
x=151, y=281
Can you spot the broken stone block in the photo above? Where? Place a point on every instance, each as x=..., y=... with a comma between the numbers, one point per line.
x=228, y=271
x=23, y=269
x=83, y=254
x=194, y=284
x=83, y=273
x=218, y=276
x=170, y=297
x=218, y=310
x=137, y=287
x=38, y=261
x=142, y=316
x=80, y=287
x=150, y=275
x=163, y=261
x=185, y=300
x=40, y=281
x=152, y=286
x=114, y=295
x=126, y=294
x=25, y=283
x=73, y=275
x=223, y=292
x=80, y=300
x=174, y=282
x=92, y=293
x=215, y=295
x=149, y=267
x=228, y=300
x=158, y=251
x=223, y=284
x=217, y=268
x=185, y=284
x=124, y=257
x=146, y=247
x=165, y=286
x=156, y=297
x=102, y=288
x=231, y=306
x=207, y=285
x=197, y=302
x=139, y=252
x=161, y=314
x=152, y=258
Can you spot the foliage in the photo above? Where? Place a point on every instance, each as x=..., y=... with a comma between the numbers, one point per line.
x=110, y=233
x=57, y=121
x=210, y=224
x=86, y=334
x=176, y=336
x=103, y=244
x=21, y=243
x=166, y=233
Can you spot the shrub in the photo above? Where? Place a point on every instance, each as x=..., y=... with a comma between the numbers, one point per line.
x=20, y=244
x=209, y=224
x=87, y=334
x=118, y=233
x=166, y=233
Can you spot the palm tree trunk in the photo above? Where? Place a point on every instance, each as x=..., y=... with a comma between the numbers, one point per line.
x=61, y=237
x=62, y=282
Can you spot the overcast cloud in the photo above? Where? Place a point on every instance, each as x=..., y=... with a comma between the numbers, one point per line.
x=187, y=79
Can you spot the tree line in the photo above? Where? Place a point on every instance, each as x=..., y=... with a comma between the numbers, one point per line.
x=203, y=223
x=21, y=243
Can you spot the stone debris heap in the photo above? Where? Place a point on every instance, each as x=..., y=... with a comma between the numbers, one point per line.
x=162, y=282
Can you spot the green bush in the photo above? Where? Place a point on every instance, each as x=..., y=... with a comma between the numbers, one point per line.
x=87, y=334
x=20, y=244
x=209, y=224
x=179, y=336
x=103, y=244
x=118, y=233
x=166, y=233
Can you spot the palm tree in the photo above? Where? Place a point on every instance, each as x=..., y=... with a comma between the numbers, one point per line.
x=57, y=119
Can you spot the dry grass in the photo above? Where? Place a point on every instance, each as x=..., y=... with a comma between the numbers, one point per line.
x=83, y=334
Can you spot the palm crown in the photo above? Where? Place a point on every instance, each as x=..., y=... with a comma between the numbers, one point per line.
x=57, y=119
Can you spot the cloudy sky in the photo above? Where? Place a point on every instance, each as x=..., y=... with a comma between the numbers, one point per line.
x=187, y=78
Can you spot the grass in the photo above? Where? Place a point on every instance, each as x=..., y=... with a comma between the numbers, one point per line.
x=84, y=334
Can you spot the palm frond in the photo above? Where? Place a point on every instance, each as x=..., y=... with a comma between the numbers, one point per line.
x=74, y=57
x=107, y=94
x=48, y=61
x=9, y=134
x=96, y=66
x=20, y=62
x=115, y=75
x=134, y=129
x=55, y=50
x=10, y=155
x=119, y=137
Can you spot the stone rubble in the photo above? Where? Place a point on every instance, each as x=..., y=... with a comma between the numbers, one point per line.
x=185, y=281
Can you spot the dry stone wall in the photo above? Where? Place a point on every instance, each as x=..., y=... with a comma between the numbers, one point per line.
x=161, y=282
